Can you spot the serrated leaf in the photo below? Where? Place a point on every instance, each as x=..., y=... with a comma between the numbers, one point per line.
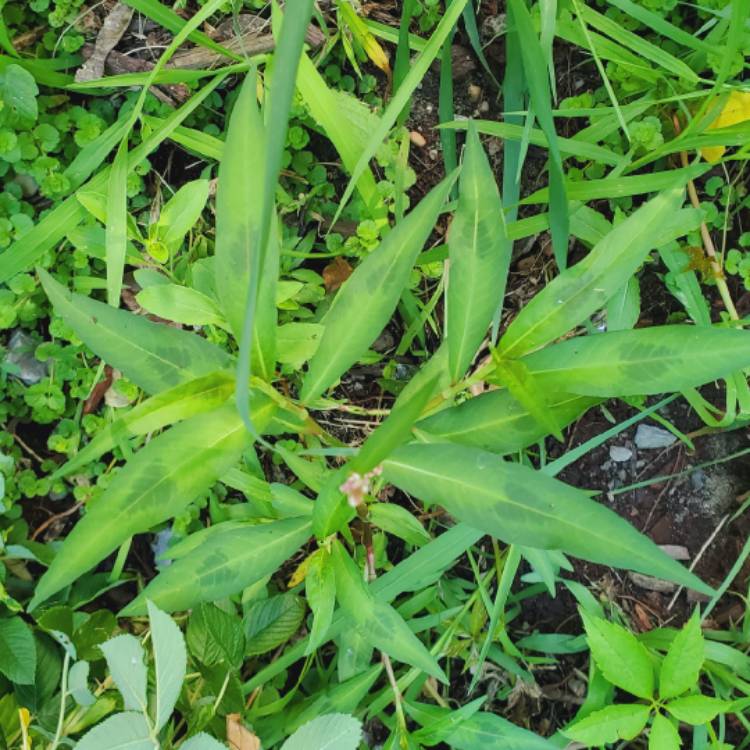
x=330, y=732
x=170, y=662
x=223, y=565
x=159, y=482
x=124, y=731
x=17, y=651
x=681, y=667
x=697, y=709
x=320, y=590
x=620, y=656
x=152, y=355
x=663, y=735
x=271, y=622
x=521, y=506
x=610, y=724
x=367, y=299
x=479, y=254
x=215, y=636
x=125, y=660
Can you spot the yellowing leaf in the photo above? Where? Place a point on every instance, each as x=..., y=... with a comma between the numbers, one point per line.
x=300, y=573
x=365, y=38
x=238, y=736
x=735, y=111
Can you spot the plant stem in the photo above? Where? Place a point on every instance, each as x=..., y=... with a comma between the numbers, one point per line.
x=63, y=697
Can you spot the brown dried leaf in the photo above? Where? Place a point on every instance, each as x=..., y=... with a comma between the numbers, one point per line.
x=238, y=736
x=336, y=273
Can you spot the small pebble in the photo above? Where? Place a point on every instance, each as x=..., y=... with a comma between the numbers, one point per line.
x=474, y=92
x=417, y=139
x=648, y=437
x=484, y=107
x=620, y=453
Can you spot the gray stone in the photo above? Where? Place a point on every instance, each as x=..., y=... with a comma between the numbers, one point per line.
x=648, y=437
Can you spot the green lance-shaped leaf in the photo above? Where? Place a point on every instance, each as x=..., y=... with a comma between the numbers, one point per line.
x=181, y=304
x=522, y=506
x=644, y=361
x=152, y=355
x=497, y=422
x=479, y=255
x=320, y=590
x=159, y=482
x=379, y=624
x=223, y=565
x=367, y=299
x=170, y=663
x=580, y=291
x=239, y=207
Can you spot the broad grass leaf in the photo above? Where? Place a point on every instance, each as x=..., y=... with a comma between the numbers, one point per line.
x=681, y=667
x=624, y=308
x=400, y=522
x=257, y=311
x=125, y=661
x=479, y=256
x=181, y=304
x=663, y=735
x=581, y=290
x=239, y=262
x=346, y=121
x=610, y=724
x=697, y=709
x=181, y=212
x=329, y=732
x=396, y=428
x=271, y=622
x=643, y=361
x=320, y=590
x=522, y=506
x=174, y=405
x=159, y=482
x=17, y=651
x=170, y=663
x=419, y=67
x=482, y=730
x=497, y=422
x=620, y=656
x=367, y=299
x=123, y=731
x=116, y=232
x=537, y=83
x=377, y=621
x=152, y=355
x=224, y=564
